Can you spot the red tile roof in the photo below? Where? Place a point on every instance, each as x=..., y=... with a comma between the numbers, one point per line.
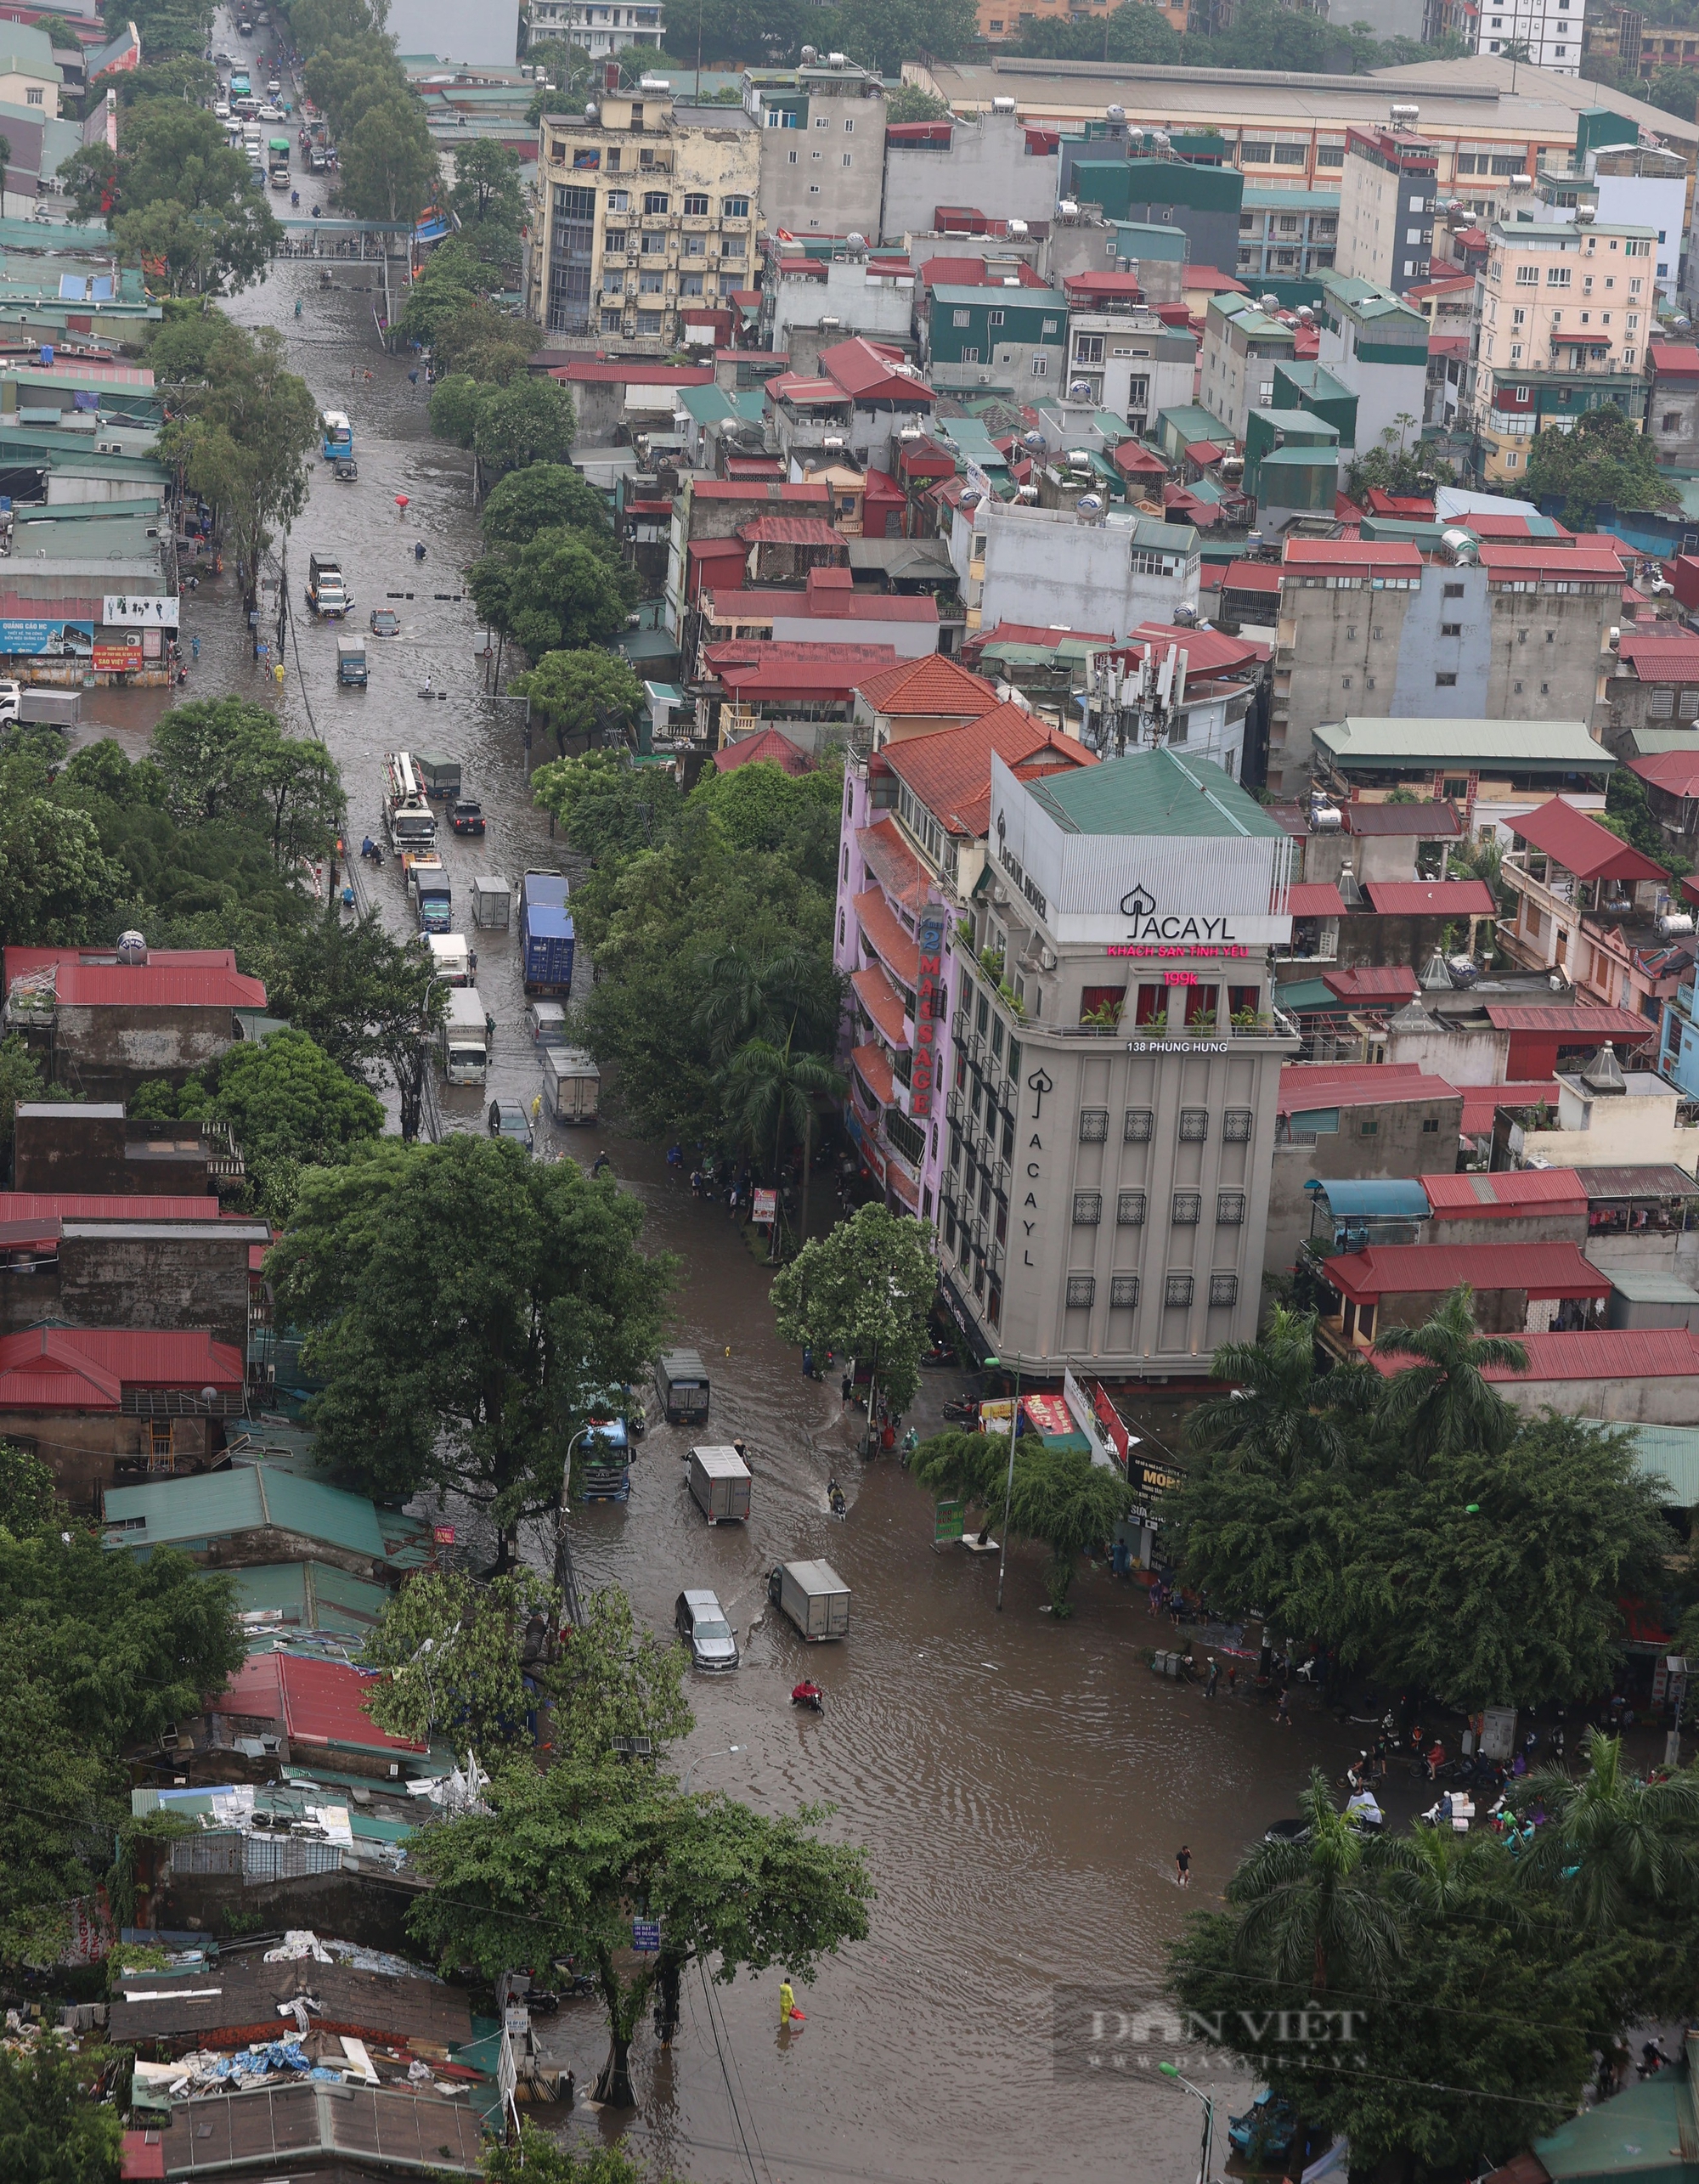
x=1078, y=287
x=879, y=997
x=875, y=1072
x=89, y=1368
x=1581, y=845
x=867, y=371
x=1660, y=656
x=1418, y=507
x=949, y=771
x=888, y=939
x=77, y=1205
x=187, y=978
x=1480, y=1103
x=1133, y=458
x=1647, y=1353
x=1306, y=1085
x=1314, y=898
x=769, y=748
x=317, y=1701
x=1584, y=1021
x=1540, y=1270
x=1208, y=651
x=1675, y=772
x=1430, y=898
x=1675, y=356
x=789, y=531
x=930, y=687
x=1375, y=982
x=1207, y=276
x=1511, y=1193
x=1252, y=576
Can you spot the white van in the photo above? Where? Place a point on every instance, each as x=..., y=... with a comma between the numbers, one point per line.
x=547, y=1023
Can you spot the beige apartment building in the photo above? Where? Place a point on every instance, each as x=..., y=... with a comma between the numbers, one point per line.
x=644, y=208
x=1565, y=316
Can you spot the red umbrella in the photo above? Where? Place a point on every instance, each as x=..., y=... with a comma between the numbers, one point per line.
x=401, y=500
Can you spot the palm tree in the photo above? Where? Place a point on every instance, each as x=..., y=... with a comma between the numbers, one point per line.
x=1611, y=1844
x=1325, y=1905
x=769, y=1088
x=1283, y=1415
x=744, y=996
x=1441, y=1404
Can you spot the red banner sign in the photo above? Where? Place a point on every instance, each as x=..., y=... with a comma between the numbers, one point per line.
x=119, y=659
x=1110, y=1420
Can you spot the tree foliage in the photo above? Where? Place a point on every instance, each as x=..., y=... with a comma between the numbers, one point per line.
x=560, y=592
x=225, y=758
x=467, y=1307
x=175, y=194
x=51, y=2131
x=371, y=1002
x=1604, y=461
x=591, y=695
x=866, y=1291
x=543, y=497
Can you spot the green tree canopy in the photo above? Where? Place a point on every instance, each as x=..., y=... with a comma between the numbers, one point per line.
x=560, y=593
x=370, y=1000
x=223, y=758
x=53, y=2131
x=588, y=694
x=1605, y=461
x=865, y=1289
x=545, y=497
x=466, y=1305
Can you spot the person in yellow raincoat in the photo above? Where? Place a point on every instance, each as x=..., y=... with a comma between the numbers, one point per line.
x=787, y=2002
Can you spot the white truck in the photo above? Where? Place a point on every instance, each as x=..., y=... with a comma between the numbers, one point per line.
x=463, y=1041
x=572, y=1085
x=407, y=818
x=720, y=1485
x=450, y=958
x=815, y=1598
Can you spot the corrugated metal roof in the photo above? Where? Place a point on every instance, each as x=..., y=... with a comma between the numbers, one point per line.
x=1304, y=1087
x=311, y=1595
x=1541, y=1270
x=74, y=1368
x=1432, y=821
x=1666, y=1452
x=1503, y=1195
x=1655, y=1181
x=146, y=986
x=1430, y=898
x=1565, y=746
x=1582, y=1020
x=1372, y=982
x=1314, y=898
x=1648, y=1353
x=1156, y=793
x=1480, y=1103
x=1383, y=1198
x=74, y=1206
x=1581, y=845
x=250, y=1498
x=317, y=1701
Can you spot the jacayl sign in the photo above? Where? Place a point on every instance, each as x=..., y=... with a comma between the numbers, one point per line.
x=1139, y=906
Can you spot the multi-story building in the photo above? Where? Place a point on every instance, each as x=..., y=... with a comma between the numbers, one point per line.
x=1121, y=357
x=1541, y=33
x=1375, y=345
x=1284, y=234
x=810, y=301
x=1588, y=904
x=1114, y=1064
x=1492, y=631
x=988, y=163
x=1242, y=344
x=1386, y=206
x=1012, y=338
x=1019, y=563
x=1566, y=311
x=915, y=819
x=1158, y=188
x=823, y=136
x=644, y=207
x=1671, y=422
x=595, y=28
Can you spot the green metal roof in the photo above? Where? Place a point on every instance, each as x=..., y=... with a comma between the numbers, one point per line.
x=1152, y=793
x=1668, y=1452
x=1264, y=197
x=1024, y=299
x=1157, y=239
x=174, y=1511
x=1308, y=993
x=709, y=405
x=312, y=1596
x=1563, y=746
x=1637, y=2133
x=1649, y=742
x=1193, y=422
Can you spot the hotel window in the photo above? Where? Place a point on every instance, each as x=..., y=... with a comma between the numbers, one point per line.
x=696, y=206
x=1137, y=1125
x=1188, y=1208
x=1177, y=1289
x=1130, y=1209
x=1223, y=1289
x=655, y=203
x=734, y=208
x=1094, y=1125
x=1194, y=1125
x=1123, y=1291
x=1236, y=1124
x=1088, y=1209
x=1081, y=1289
x=1230, y=1208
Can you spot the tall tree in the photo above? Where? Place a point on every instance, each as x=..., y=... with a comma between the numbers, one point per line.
x=1282, y=1414
x=53, y=2129
x=543, y=497
x=466, y=1307
x=590, y=693
x=370, y=1001
x=487, y=191
x=1615, y=1849
x=1316, y=1907
x=865, y=1289
x=389, y=164
x=560, y=594
x=1440, y=1402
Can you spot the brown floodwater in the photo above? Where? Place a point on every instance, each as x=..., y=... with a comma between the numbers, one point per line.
x=1021, y=1786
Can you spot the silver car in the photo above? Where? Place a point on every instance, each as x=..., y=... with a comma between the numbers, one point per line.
x=700, y=1622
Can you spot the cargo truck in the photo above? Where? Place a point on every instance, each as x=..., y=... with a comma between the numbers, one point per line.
x=351, y=661
x=463, y=1037
x=408, y=819
x=450, y=958
x=438, y=777
x=720, y=1485
x=427, y=883
x=326, y=593
x=604, y=1466
x=546, y=942
x=815, y=1598
x=492, y=902
x=681, y=1383
x=572, y=1085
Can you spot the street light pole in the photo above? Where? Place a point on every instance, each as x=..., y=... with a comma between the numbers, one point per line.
x=1008, y=1487
x=1172, y=2070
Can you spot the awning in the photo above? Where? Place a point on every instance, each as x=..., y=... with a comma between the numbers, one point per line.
x=877, y=995
x=885, y=935
x=870, y=1064
x=1382, y=1198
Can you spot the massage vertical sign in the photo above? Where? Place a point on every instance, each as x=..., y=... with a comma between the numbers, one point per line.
x=929, y=1011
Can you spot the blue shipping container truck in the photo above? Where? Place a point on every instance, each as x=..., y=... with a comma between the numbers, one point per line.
x=543, y=890
x=605, y=1463
x=546, y=935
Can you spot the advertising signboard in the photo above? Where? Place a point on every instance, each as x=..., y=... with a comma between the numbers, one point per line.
x=33, y=640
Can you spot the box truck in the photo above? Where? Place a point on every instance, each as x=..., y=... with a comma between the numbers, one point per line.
x=572, y=1084
x=815, y=1598
x=463, y=1037
x=720, y=1485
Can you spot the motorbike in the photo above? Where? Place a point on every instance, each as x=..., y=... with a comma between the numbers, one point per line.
x=835, y=1501
x=294, y=196
x=964, y=1411
x=811, y=1696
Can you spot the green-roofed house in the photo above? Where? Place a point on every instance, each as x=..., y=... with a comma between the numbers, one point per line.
x=1012, y=338
x=1122, y=952
x=1304, y=384
x=1376, y=346
x=1292, y=464
x=1495, y=771
x=1202, y=202
x=287, y=1597
x=1242, y=344
x=1283, y=234
x=1187, y=426
x=255, y=1513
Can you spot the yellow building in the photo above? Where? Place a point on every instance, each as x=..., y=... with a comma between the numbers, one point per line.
x=644, y=209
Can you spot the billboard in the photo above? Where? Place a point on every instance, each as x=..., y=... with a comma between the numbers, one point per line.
x=46, y=640
x=129, y=610
x=119, y=658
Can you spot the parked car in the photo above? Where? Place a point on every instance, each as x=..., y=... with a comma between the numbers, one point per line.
x=508, y=1119
x=11, y=697
x=385, y=623
x=700, y=1622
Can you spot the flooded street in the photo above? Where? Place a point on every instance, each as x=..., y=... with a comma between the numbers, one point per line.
x=1022, y=1787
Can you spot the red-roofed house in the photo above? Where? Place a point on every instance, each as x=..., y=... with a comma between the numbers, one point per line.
x=1511, y=1206
x=631, y=394
x=765, y=748
x=101, y=1404
x=1356, y=1122
x=316, y=1709
x=863, y=392
x=804, y=692
x=1644, y=1376
x=1671, y=791
x=1673, y=412
x=107, y=1024
x=829, y=608
x=1588, y=906
x=916, y=813
x=1399, y=1285
x=1654, y=683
